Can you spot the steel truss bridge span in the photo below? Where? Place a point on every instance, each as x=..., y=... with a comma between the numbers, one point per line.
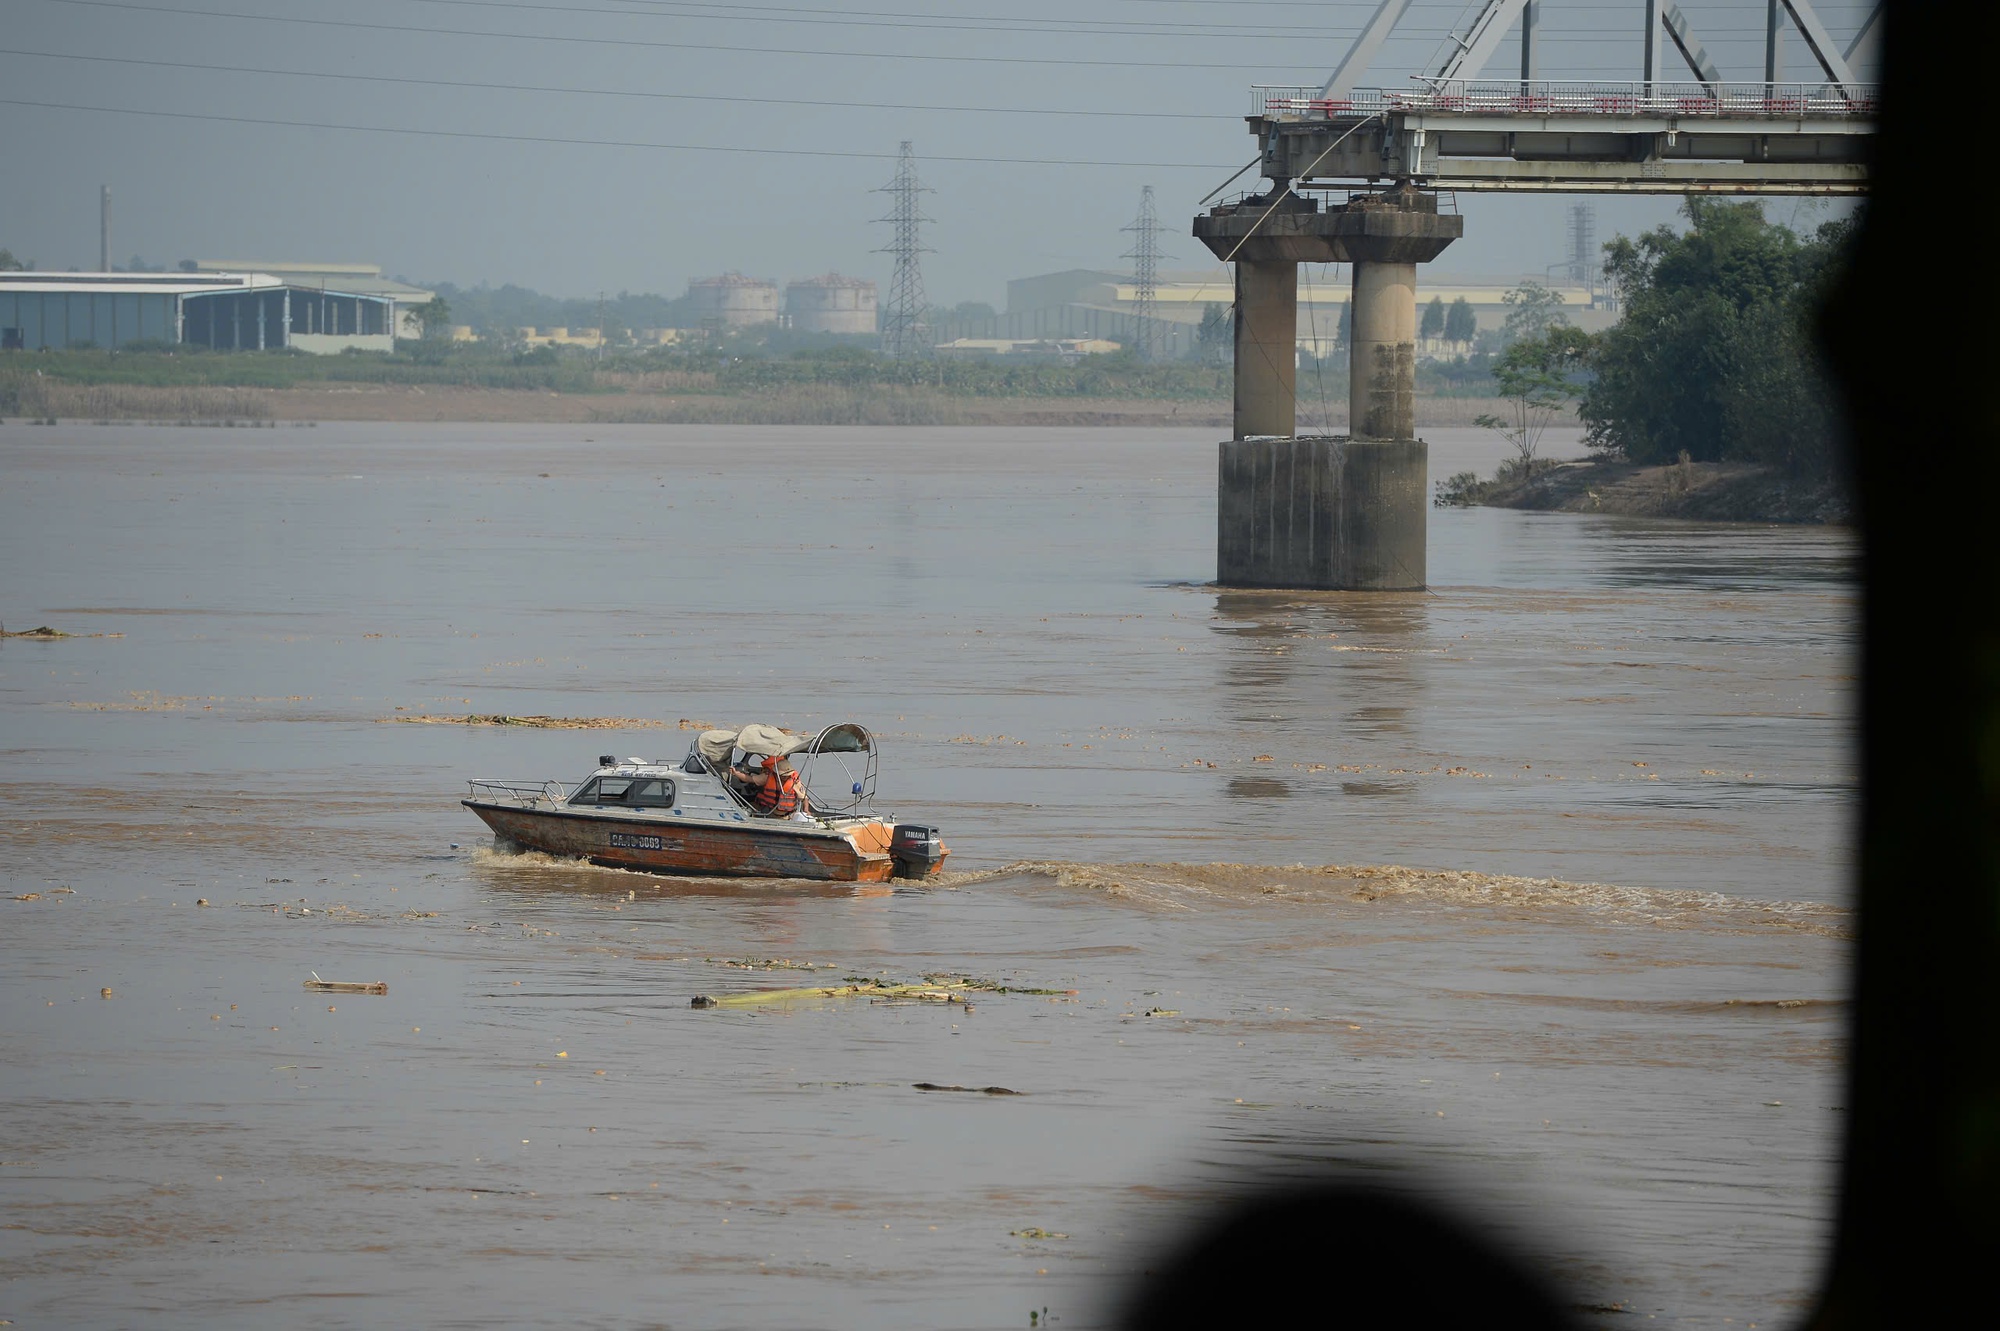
x=1528, y=136
x=1455, y=128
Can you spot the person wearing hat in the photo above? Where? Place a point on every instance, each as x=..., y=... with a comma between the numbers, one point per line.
x=773, y=789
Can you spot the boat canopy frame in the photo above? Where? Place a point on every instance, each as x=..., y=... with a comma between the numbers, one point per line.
x=847, y=748
x=851, y=749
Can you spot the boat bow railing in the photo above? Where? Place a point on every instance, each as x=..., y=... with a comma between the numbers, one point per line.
x=527, y=794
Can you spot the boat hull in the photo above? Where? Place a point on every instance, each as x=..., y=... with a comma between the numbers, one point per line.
x=763, y=849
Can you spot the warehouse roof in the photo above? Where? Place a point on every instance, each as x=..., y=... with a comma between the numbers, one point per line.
x=346, y=279
x=129, y=284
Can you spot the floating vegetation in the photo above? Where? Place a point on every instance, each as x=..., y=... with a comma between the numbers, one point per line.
x=553, y=722
x=46, y=634
x=932, y=989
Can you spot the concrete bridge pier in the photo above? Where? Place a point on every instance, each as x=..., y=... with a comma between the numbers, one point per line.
x=1342, y=513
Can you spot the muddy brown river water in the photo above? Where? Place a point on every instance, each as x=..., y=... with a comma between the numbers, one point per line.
x=1528, y=892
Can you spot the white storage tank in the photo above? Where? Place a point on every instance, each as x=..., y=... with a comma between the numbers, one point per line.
x=735, y=300
x=831, y=304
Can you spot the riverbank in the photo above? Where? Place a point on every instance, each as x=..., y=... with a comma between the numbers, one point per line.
x=48, y=399
x=1699, y=491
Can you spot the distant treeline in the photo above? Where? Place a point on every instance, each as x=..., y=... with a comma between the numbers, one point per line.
x=501, y=310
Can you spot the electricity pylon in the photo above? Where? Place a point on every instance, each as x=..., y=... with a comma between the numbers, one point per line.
x=903, y=329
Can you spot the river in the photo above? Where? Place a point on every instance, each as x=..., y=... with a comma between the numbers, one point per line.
x=1529, y=891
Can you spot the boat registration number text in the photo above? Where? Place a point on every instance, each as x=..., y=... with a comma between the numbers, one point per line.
x=636, y=841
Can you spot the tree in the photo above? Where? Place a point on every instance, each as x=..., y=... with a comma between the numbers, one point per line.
x=1215, y=336
x=1433, y=325
x=1460, y=324
x=1713, y=356
x=435, y=316
x=1538, y=380
x=10, y=264
x=1344, y=335
x=1533, y=310
x=188, y=266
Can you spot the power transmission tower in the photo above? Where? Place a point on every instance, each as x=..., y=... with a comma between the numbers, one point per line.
x=903, y=330
x=1585, y=264
x=1145, y=257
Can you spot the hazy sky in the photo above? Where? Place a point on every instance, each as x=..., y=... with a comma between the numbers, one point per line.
x=583, y=145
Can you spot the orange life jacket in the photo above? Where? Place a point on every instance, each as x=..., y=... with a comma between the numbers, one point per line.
x=778, y=793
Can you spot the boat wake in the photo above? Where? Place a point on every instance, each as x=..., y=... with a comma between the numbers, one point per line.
x=1197, y=887
x=1193, y=887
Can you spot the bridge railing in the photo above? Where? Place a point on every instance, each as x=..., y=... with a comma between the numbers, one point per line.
x=1761, y=101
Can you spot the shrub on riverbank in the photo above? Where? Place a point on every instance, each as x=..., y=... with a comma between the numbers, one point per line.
x=39, y=397
x=1714, y=358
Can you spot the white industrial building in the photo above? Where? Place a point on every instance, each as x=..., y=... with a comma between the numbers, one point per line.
x=347, y=279
x=224, y=311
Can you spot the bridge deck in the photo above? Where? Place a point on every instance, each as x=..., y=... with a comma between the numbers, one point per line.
x=1575, y=137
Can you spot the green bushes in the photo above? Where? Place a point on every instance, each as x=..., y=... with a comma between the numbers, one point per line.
x=1714, y=358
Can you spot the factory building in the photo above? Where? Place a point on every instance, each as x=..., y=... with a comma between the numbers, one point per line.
x=831, y=304
x=347, y=279
x=223, y=311
x=734, y=301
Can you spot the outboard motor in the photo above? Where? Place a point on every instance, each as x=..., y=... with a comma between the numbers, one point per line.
x=916, y=850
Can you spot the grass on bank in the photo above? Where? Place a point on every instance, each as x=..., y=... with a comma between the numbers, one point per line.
x=744, y=373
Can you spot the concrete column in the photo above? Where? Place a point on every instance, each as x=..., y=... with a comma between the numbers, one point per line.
x=261, y=303
x=1382, y=352
x=1267, y=321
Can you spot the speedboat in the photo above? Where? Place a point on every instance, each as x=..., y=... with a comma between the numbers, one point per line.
x=689, y=816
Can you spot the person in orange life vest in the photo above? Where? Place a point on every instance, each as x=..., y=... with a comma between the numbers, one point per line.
x=773, y=790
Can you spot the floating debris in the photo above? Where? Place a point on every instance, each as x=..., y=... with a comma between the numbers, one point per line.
x=550, y=722
x=759, y=963
x=969, y=1090
x=854, y=988
x=46, y=634
x=345, y=986
x=933, y=989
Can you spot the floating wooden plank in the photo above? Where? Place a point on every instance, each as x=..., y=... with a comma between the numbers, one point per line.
x=347, y=986
x=922, y=993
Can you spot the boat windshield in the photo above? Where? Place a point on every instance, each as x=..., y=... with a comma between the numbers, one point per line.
x=631, y=792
